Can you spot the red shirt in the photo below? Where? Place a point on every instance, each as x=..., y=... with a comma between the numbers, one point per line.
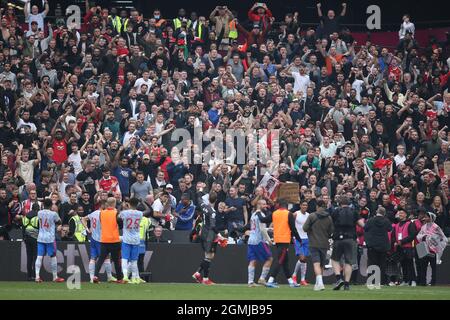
x=121, y=76
x=431, y=114
x=396, y=72
x=107, y=184
x=122, y=51
x=59, y=151
x=163, y=167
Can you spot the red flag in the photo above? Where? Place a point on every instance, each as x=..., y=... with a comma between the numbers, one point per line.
x=381, y=163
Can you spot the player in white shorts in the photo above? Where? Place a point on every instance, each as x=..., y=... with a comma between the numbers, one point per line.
x=94, y=244
x=131, y=240
x=301, y=249
x=49, y=221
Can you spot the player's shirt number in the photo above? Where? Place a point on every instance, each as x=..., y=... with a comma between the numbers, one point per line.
x=133, y=224
x=44, y=224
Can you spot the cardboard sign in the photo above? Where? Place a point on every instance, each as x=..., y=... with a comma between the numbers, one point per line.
x=289, y=192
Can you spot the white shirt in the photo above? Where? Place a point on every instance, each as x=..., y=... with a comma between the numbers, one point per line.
x=299, y=222
x=47, y=225
x=139, y=82
x=134, y=112
x=75, y=159
x=328, y=152
x=39, y=18
x=404, y=27
x=399, y=159
x=301, y=82
x=357, y=85
x=26, y=170
x=23, y=123
x=127, y=136
x=157, y=205
x=131, y=226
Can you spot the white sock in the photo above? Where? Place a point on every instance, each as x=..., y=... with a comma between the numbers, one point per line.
x=125, y=267
x=297, y=268
x=54, y=264
x=319, y=280
x=108, y=268
x=251, y=274
x=134, y=270
x=303, y=270
x=37, y=266
x=271, y=279
x=265, y=272
x=91, y=269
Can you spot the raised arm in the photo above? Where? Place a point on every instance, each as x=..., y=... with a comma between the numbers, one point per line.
x=25, y=9
x=213, y=14
x=344, y=9
x=46, y=8
x=319, y=10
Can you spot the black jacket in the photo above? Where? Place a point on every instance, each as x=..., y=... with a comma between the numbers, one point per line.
x=376, y=233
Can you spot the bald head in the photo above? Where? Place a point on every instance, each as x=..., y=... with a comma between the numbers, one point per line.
x=111, y=202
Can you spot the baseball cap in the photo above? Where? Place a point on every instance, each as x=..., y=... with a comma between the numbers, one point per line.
x=146, y=156
x=169, y=186
x=256, y=26
x=55, y=101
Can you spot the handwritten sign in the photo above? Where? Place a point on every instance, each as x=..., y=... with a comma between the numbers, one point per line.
x=289, y=192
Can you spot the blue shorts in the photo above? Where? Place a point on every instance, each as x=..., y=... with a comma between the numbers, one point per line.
x=94, y=249
x=46, y=248
x=130, y=251
x=260, y=252
x=302, y=249
x=142, y=247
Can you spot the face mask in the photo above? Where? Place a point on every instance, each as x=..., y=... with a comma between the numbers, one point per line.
x=156, y=17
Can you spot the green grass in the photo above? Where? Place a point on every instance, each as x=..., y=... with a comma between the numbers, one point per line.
x=174, y=291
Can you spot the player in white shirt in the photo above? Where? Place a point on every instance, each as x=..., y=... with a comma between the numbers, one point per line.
x=131, y=240
x=48, y=220
x=94, y=244
x=301, y=250
x=258, y=245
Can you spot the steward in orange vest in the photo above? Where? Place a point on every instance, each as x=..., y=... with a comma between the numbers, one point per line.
x=283, y=229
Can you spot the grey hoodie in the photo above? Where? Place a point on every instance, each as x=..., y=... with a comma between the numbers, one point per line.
x=319, y=227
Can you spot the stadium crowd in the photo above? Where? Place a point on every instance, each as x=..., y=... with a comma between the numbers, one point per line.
x=88, y=111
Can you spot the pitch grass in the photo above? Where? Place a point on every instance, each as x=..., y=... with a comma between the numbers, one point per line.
x=176, y=291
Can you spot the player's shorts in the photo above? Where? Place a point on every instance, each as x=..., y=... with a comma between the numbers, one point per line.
x=46, y=248
x=94, y=249
x=130, y=251
x=142, y=247
x=259, y=252
x=346, y=248
x=302, y=249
